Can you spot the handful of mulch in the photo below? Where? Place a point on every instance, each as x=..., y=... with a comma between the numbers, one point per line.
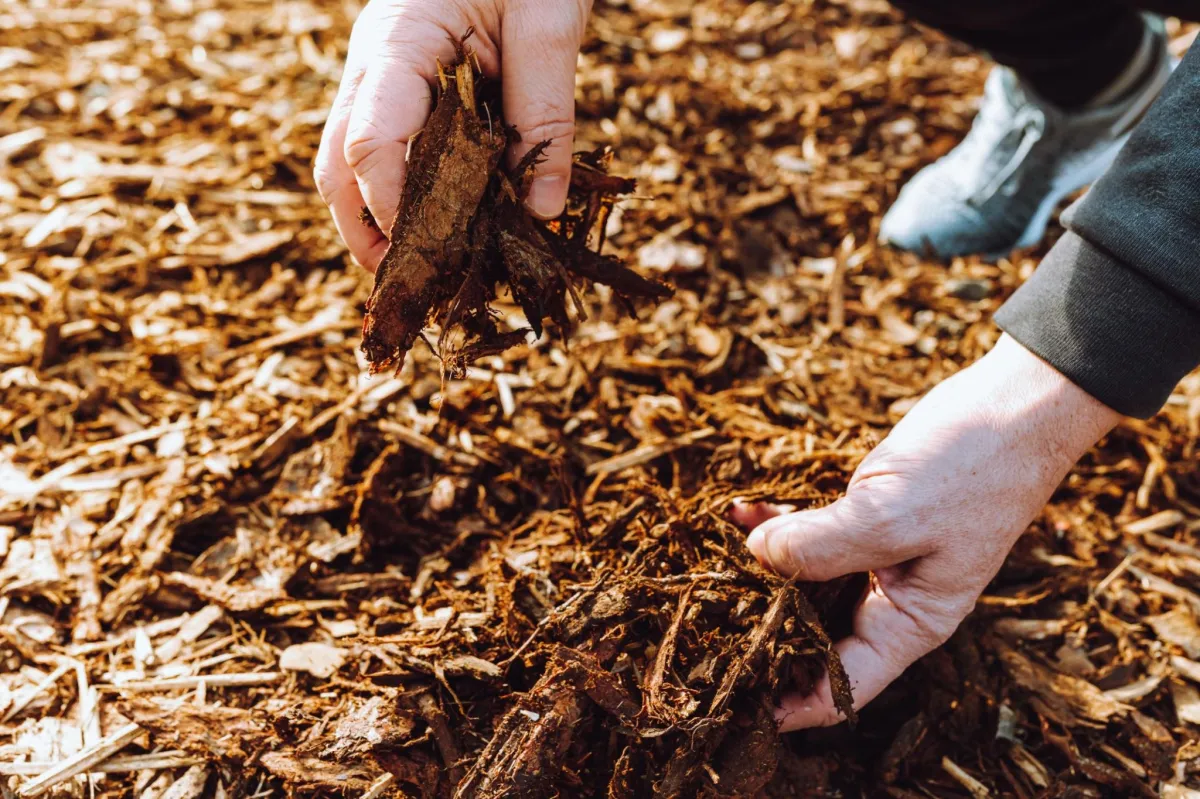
x=462, y=231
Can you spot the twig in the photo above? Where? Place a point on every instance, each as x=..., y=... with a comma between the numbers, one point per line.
x=694, y=577
x=82, y=761
x=426, y=444
x=378, y=392
x=189, y=683
x=316, y=326
x=1152, y=524
x=190, y=785
x=1103, y=585
x=976, y=788
x=117, y=765
x=1153, y=582
x=648, y=452
x=196, y=625
x=114, y=641
x=28, y=696
x=379, y=786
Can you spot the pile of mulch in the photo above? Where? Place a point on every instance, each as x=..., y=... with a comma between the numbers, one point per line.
x=235, y=563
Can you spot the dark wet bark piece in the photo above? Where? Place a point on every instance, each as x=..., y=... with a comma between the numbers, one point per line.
x=760, y=640
x=601, y=686
x=611, y=272
x=747, y=760
x=535, y=277
x=439, y=726
x=527, y=751
x=588, y=178
x=452, y=162
x=377, y=514
x=663, y=701
x=839, y=681
x=462, y=224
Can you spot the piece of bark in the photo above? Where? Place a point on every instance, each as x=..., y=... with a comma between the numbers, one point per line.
x=461, y=229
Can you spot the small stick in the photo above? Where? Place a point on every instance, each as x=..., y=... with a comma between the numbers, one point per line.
x=82, y=761
x=439, y=725
x=118, y=765
x=426, y=444
x=1153, y=523
x=647, y=452
x=976, y=788
x=1153, y=582
x=190, y=785
x=196, y=625
x=112, y=642
x=35, y=691
x=188, y=683
x=1108, y=580
x=379, y=786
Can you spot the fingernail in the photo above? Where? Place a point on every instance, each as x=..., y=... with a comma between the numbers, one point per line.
x=547, y=196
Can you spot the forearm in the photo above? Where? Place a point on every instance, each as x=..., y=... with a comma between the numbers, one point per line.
x=1115, y=306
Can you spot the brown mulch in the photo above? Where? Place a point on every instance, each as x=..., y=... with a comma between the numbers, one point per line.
x=234, y=563
x=462, y=234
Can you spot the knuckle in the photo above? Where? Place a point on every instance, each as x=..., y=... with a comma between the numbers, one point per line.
x=362, y=142
x=886, y=513
x=936, y=619
x=549, y=127
x=323, y=179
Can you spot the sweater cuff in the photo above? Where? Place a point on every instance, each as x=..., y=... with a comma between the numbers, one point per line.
x=1104, y=326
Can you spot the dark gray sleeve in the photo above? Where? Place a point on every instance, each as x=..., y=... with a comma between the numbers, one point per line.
x=1115, y=305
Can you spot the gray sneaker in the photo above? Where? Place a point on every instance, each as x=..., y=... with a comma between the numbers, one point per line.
x=996, y=190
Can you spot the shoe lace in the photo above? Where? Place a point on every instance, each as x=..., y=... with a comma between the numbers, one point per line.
x=1029, y=123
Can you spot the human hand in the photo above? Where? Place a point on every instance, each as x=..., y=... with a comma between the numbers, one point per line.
x=932, y=512
x=386, y=96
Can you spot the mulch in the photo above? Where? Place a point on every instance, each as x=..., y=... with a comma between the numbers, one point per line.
x=234, y=562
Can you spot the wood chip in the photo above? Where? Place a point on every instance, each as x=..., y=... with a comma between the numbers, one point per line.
x=80, y=762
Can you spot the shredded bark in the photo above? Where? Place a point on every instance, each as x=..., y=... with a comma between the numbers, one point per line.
x=235, y=563
x=462, y=231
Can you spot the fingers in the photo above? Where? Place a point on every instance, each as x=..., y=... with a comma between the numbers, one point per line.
x=336, y=182
x=390, y=107
x=848, y=536
x=886, y=641
x=749, y=515
x=539, y=50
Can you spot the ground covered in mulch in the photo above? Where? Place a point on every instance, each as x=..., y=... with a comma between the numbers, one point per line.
x=235, y=563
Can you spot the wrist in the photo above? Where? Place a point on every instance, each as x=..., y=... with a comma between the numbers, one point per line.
x=1040, y=406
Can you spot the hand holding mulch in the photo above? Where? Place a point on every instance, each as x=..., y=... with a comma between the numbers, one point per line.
x=462, y=229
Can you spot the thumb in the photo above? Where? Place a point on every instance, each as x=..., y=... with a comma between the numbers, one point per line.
x=539, y=49
x=848, y=536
